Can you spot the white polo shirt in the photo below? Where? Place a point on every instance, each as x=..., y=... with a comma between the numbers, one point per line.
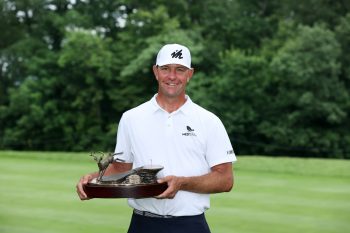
x=187, y=142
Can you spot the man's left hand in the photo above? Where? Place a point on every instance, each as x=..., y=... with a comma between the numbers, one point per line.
x=174, y=185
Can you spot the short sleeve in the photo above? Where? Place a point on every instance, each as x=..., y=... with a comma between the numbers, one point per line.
x=123, y=143
x=219, y=149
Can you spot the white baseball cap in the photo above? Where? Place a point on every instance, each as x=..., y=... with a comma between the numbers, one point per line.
x=174, y=54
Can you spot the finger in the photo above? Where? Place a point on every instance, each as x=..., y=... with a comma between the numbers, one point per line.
x=86, y=179
x=160, y=181
x=165, y=179
x=80, y=190
x=168, y=193
x=165, y=196
x=82, y=195
x=159, y=197
x=162, y=195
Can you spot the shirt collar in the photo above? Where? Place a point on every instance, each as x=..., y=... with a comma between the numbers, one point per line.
x=185, y=108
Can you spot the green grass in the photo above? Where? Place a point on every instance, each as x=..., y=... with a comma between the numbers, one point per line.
x=37, y=194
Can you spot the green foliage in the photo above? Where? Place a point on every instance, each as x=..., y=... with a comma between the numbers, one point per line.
x=310, y=95
x=343, y=36
x=237, y=94
x=277, y=73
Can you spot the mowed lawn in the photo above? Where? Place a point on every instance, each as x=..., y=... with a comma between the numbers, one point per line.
x=37, y=194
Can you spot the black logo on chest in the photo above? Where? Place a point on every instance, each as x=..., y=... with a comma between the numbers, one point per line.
x=190, y=132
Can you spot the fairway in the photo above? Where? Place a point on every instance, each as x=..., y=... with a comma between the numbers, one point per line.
x=270, y=195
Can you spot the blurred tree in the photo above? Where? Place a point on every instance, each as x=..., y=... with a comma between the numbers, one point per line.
x=85, y=102
x=308, y=106
x=236, y=95
x=232, y=24
x=310, y=12
x=343, y=36
x=269, y=69
x=11, y=32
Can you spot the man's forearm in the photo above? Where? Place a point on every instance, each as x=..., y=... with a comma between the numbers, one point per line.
x=220, y=179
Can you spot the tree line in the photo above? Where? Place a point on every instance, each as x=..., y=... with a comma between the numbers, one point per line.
x=277, y=73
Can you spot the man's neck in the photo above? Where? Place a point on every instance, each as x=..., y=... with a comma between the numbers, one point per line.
x=170, y=104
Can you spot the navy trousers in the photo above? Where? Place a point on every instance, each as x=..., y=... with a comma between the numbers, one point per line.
x=185, y=224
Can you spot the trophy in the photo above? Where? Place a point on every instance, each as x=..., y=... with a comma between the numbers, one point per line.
x=140, y=182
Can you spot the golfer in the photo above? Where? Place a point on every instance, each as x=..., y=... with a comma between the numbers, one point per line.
x=190, y=142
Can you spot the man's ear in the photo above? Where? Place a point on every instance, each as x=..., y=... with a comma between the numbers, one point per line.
x=190, y=74
x=155, y=71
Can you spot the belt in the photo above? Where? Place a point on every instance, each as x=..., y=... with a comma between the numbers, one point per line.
x=152, y=215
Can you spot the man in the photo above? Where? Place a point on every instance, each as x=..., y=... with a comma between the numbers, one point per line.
x=189, y=141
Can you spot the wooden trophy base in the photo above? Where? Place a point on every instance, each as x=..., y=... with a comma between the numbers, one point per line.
x=94, y=190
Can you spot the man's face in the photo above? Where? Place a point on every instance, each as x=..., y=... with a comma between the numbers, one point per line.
x=172, y=79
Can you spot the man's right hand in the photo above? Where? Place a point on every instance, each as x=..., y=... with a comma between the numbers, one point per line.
x=113, y=168
x=83, y=181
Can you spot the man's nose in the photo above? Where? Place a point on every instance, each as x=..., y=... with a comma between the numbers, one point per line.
x=172, y=74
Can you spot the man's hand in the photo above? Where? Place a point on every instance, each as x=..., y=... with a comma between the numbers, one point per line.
x=113, y=168
x=174, y=185
x=83, y=180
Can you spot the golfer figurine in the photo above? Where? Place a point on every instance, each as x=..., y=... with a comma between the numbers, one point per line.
x=104, y=161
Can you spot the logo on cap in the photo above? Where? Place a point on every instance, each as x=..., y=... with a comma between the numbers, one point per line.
x=177, y=54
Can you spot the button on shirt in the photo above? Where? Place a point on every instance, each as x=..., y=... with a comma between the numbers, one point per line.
x=187, y=142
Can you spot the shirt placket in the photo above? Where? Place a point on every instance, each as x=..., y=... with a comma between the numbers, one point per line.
x=169, y=125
